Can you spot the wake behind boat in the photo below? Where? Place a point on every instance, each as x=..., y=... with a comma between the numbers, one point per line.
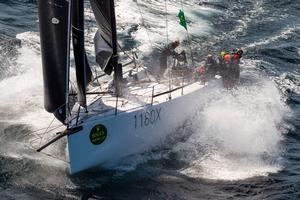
x=132, y=114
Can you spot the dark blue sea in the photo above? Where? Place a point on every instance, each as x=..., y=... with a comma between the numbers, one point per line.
x=241, y=144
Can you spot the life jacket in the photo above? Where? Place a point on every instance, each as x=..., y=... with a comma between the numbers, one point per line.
x=222, y=53
x=227, y=57
x=200, y=70
x=236, y=56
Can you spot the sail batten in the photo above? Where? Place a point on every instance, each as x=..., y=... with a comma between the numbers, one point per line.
x=54, y=21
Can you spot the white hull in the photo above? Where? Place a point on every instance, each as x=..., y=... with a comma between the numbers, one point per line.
x=133, y=131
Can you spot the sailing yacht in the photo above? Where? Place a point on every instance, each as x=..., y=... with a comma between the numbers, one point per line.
x=106, y=123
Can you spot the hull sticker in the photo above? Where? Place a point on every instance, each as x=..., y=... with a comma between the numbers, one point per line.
x=98, y=134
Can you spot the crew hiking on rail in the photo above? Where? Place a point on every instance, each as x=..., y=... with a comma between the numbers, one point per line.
x=227, y=65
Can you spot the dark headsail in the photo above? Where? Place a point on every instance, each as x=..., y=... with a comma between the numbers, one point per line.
x=83, y=72
x=54, y=20
x=103, y=38
x=106, y=39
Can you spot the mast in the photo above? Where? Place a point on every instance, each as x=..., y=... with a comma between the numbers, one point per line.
x=118, y=74
x=78, y=48
x=83, y=71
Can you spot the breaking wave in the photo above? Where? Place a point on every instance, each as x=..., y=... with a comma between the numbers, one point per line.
x=237, y=135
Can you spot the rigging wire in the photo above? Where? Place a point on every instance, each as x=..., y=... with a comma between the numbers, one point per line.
x=46, y=131
x=143, y=23
x=125, y=53
x=35, y=132
x=46, y=154
x=167, y=28
x=51, y=156
x=189, y=40
x=167, y=35
x=134, y=60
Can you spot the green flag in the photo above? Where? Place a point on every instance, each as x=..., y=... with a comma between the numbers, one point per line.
x=182, y=21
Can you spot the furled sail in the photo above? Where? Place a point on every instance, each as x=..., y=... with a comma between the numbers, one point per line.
x=83, y=71
x=103, y=38
x=54, y=20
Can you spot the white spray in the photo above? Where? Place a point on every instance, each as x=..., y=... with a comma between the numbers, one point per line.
x=237, y=135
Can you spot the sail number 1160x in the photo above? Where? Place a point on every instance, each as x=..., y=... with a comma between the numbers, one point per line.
x=147, y=118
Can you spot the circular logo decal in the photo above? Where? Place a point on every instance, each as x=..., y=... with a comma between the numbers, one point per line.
x=98, y=134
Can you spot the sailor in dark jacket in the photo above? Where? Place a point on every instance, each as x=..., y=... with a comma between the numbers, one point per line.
x=211, y=67
x=169, y=50
x=237, y=55
x=230, y=68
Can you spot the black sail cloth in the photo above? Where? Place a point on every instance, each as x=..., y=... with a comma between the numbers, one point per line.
x=106, y=40
x=55, y=25
x=83, y=72
x=54, y=20
x=103, y=38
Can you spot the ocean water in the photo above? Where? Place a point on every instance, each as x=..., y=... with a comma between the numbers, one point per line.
x=242, y=144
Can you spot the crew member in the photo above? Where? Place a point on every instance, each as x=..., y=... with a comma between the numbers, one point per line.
x=237, y=55
x=211, y=67
x=221, y=62
x=169, y=50
x=229, y=68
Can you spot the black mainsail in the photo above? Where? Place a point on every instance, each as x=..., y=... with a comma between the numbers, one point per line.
x=83, y=72
x=54, y=20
